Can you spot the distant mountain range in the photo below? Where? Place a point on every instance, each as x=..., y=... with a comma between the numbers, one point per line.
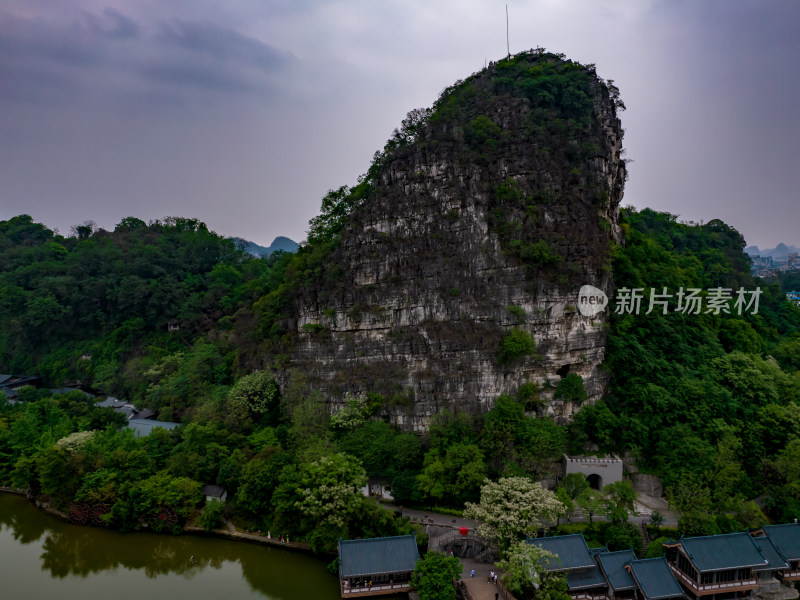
x=779, y=251
x=279, y=243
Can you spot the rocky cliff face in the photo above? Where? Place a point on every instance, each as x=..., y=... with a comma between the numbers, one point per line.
x=486, y=217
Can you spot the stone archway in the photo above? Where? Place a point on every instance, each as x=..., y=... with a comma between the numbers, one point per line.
x=595, y=481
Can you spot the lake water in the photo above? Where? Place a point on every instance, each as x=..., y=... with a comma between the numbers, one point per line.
x=42, y=557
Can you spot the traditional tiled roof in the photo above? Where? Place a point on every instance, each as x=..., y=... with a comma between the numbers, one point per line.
x=215, y=491
x=655, y=579
x=111, y=402
x=770, y=552
x=571, y=551
x=613, y=566
x=374, y=556
x=17, y=380
x=581, y=579
x=786, y=538
x=727, y=551
x=143, y=427
x=145, y=413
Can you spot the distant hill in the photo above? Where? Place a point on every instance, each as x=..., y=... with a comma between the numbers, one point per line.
x=279, y=243
x=283, y=243
x=779, y=251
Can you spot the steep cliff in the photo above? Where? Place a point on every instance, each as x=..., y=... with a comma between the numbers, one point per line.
x=475, y=230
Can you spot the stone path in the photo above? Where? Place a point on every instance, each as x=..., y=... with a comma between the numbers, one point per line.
x=478, y=587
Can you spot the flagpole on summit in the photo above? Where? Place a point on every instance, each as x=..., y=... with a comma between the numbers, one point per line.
x=508, y=46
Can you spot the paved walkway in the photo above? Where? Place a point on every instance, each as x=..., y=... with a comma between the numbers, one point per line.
x=434, y=519
x=646, y=505
x=479, y=588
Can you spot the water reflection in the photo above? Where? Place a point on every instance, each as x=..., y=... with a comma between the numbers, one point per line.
x=24, y=530
x=69, y=551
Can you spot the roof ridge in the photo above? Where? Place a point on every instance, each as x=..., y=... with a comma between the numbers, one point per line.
x=639, y=560
x=386, y=537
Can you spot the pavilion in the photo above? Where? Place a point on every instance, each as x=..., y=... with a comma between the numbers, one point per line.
x=377, y=566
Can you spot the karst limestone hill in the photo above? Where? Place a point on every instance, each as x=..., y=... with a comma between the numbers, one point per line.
x=458, y=259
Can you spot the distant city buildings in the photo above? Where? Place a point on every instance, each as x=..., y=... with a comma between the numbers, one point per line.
x=763, y=266
x=769, y=266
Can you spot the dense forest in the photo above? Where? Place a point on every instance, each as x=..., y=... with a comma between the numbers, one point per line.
x=708, y=402
x=175, y=318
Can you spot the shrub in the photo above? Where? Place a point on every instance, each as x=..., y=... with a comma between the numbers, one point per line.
x=313, y=328
x=516, y=344
x=517, y=311
x=211, y=515
x=570, y=389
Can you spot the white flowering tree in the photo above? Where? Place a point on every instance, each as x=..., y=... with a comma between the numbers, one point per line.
x=319, y=497
x=512, y=508
x=74, y=442
x=523, y=566
x=253, y=398
x=331, y=488
x=354, y=413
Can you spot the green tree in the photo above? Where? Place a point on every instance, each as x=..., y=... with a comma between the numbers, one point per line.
x=259, y=480
x=513, y=508
x=457, y=475
x=323, y=494
x=692, y=499
x=592, y=501
x=211, y=515
x=181, y=493
x=655, y=548
x=620, y=497
x=434, y=576
x=574, y=484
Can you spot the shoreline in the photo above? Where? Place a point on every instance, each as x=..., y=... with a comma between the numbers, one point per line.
x=249, y=538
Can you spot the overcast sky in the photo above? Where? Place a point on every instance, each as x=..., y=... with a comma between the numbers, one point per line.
x=244, y=113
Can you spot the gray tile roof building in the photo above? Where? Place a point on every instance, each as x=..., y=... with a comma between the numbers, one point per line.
x=786, y=538
x=377, y=556
x=613, y=566
x=770, y=552
x=655, y=579
x=721, y=552
x=143, y=427
x=571, y=550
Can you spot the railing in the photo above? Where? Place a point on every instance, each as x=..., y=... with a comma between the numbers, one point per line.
x=790, y=575
x=380, y=588
x=711, y=587
x=454, y=536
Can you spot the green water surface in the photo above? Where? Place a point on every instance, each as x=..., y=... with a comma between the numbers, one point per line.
x=42, y=557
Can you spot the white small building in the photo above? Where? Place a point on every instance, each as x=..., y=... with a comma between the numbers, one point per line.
x=378, y=488
x=599, y=472
x=216, y=493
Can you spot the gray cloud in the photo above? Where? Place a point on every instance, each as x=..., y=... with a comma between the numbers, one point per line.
x=224, y=45
x=110, y=53
x=244, y=113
